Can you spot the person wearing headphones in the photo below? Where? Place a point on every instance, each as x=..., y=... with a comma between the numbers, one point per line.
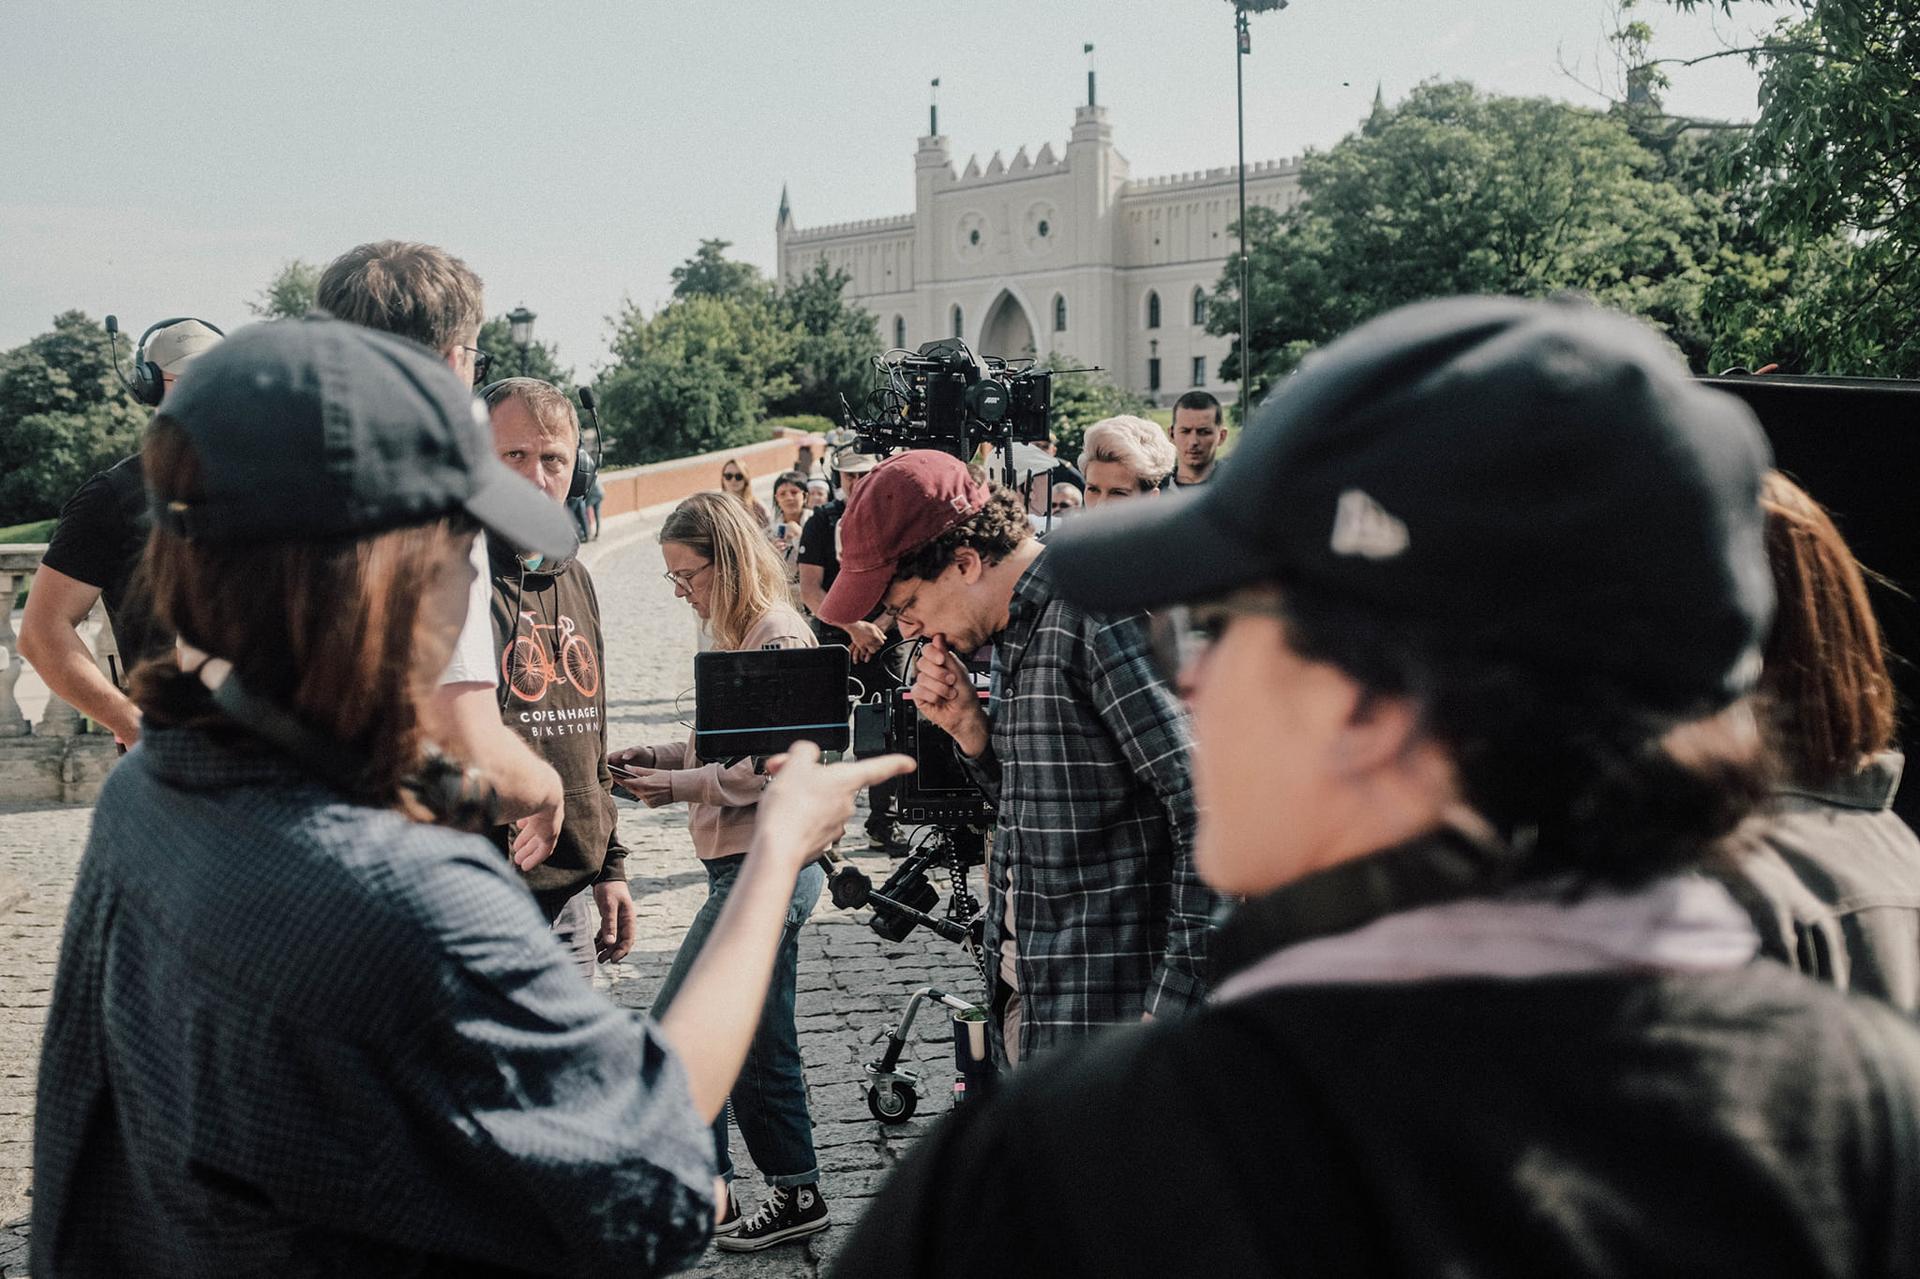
x=303, y=1023
x=94, y=552
x=546, y=629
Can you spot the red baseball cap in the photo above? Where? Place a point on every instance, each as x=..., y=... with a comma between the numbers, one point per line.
x=904, y=503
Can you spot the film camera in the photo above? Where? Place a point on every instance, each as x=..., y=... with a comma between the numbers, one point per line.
x=945, y=397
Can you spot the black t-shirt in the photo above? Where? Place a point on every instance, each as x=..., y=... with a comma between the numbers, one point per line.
x=102, y=531
x=819, y=543
x=1731, y=1123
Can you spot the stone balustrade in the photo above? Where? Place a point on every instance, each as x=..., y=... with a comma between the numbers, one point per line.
x=59, y=757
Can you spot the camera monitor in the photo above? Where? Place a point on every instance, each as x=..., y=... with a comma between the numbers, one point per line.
x=760, y=703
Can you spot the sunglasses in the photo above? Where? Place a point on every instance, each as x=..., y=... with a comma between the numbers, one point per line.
x=732, y=475
x=1182, y=635
x=482, y=362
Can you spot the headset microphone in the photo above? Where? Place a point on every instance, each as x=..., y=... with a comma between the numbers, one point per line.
x=586, y=468
x=113, y=345
x=148, y=383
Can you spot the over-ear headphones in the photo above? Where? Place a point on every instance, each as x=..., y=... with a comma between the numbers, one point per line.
x=585, y=465
x=148, y=383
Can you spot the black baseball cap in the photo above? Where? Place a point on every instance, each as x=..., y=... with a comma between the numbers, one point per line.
x=315, y=428
x=1536, y=480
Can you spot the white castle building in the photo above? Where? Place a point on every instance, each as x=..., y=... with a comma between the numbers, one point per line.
x=1051, y=253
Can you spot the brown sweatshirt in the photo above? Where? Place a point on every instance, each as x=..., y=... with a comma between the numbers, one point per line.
x=722, y=800
x=546, y=631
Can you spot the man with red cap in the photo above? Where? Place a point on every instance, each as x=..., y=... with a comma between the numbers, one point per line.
x=1094, y=912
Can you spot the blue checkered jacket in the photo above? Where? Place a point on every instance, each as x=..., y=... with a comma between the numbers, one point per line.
x=1087, y=763
x=293, y=1036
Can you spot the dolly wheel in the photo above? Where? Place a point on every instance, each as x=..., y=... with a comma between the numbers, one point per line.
x=894, y=1108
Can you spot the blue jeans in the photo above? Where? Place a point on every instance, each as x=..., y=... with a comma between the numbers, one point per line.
x=769, y=1100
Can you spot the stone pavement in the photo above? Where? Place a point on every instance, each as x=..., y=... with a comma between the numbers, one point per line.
x=852, y=982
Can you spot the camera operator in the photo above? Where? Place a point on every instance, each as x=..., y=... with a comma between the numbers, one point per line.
x=1094, y=911
x=818, y=564
x=95, y=555
x=1468, y=661
x=424, y=293
x=546, y=627
x=299, y=1024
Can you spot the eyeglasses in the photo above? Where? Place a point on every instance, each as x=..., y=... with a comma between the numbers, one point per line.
x=1182, y=635
x=684, y=578
x=730, y=476
x=891, y=613
x=482, y=361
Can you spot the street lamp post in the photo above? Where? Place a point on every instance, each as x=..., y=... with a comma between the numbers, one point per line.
x=520, y=327
x=1243, y=45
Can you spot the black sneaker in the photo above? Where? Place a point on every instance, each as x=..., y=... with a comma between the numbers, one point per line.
x=789, y=1213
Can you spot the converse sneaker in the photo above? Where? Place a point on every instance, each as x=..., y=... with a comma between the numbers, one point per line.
x=788, y=1213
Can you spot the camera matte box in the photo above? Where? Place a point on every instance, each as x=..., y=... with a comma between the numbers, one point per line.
x=762, y=702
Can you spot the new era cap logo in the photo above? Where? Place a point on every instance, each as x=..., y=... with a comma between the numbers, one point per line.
x=1361, y=526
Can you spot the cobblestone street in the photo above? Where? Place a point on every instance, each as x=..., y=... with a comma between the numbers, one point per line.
x=852, y=984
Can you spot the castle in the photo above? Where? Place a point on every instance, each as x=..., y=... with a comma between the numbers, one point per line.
x=1053, y=253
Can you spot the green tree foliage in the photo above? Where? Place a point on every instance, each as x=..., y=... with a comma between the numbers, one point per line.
x=1456, y=191
x=1834, y=154
x=695, y=376
x=289, y=294
x=836, y=344
x=540, y=359
x=710, y=273
x=1081, y=398
x=63, y=415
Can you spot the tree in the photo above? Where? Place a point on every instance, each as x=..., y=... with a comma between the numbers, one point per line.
x=64, y=414
x=694, y=377
x=539, y=360
x=290, y=293
x=711, y=273
x=1082, y=397
x=836, y=344
x=1455, y=191
x=1835, y=151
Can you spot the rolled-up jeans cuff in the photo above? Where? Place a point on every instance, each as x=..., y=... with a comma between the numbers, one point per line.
x=796, y=1179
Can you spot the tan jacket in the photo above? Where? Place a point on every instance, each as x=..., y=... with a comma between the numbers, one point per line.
x=722, y=801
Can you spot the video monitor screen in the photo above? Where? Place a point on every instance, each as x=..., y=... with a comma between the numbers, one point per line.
x=761, y=703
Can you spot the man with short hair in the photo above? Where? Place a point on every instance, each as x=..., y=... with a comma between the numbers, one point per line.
x=1094, y=913
x=1124, y=457
x=1199, y=429
x=95, y=555
x=546, y=628
x=422, y=292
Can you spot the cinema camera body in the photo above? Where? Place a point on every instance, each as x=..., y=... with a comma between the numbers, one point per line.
x=945, y=397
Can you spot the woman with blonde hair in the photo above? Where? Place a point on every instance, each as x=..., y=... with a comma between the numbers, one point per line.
x=720, y=561
x=736, y=484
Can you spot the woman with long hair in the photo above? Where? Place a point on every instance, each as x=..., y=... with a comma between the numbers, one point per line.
x=1835, y=891
x=736, y=484
x=721, y=563
x=311, y=1022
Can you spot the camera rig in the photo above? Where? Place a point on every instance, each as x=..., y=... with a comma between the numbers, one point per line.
x=945, y=397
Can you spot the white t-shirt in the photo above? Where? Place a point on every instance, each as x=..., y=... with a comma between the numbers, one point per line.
x=472, y=661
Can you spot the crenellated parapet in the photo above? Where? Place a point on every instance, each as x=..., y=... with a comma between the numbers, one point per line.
x=865, y=228
x=1279, y=169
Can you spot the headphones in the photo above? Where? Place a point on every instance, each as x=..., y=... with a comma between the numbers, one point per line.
x=148, y=383
x=585, y=465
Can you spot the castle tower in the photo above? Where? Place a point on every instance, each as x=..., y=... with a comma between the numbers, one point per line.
x=932, y=172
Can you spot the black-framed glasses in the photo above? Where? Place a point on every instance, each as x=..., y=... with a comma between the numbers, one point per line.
x=482, y=363
x=1181, y=634
x=684, y=577
x=733, y=475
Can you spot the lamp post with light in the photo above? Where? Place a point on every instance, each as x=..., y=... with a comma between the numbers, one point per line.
x=1243, y=44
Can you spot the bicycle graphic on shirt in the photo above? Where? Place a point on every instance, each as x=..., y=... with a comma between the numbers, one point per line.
x=529, y=668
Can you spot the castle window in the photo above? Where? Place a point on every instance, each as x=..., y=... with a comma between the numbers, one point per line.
x=1199, y=307
x=1059, y=313
x=1153, y=310
x=1043, y=228
x=1153, y=374
x=959, y=321
x=899, y=330
x=1199, y=370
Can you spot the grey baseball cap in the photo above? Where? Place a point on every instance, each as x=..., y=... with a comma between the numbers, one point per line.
x=316, y=428
x=1540, y=481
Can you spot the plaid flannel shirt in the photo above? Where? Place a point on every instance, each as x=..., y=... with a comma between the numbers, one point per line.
x=1087, y=763
x=294, y=1036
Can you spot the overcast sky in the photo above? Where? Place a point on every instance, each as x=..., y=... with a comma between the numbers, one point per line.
x=166, y=162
